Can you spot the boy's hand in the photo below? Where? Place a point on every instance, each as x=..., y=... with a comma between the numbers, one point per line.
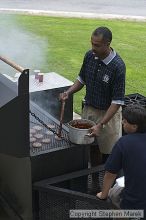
x=100, y=196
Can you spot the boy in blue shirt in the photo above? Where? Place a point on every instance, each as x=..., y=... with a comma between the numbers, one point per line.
x=129, y=154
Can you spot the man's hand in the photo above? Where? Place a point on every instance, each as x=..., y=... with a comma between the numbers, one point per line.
x=63, y=96
x=73, y=89
x=95, y=130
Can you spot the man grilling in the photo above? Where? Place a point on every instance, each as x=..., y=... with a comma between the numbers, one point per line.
x=103, y=74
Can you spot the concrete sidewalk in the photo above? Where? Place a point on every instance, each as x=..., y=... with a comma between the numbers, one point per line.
x=72, y=14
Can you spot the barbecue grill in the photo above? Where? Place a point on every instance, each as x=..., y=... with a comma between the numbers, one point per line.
x=21, y=164
x=58, y=156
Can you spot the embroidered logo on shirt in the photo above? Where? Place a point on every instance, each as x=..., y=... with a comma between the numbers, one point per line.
x=105, y=78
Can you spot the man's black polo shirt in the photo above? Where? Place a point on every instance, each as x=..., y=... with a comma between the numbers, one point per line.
x=104, y=80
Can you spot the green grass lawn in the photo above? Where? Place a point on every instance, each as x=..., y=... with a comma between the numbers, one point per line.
x=69, y=38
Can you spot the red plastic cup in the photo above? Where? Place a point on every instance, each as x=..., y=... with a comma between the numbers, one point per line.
x=36, y=76
x=41, y=77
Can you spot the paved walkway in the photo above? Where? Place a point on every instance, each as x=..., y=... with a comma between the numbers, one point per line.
x=101, y=7
x=72, y=14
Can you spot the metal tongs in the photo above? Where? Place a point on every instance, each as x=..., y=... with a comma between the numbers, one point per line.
x=61, y=117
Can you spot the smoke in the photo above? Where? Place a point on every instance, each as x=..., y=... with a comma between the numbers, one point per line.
x=28, y=51
x=20, y=46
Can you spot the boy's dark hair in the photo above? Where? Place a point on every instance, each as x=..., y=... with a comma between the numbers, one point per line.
x=136, y=114
x=105, y=32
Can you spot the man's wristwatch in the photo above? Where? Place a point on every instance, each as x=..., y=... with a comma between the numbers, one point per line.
x=102, y=125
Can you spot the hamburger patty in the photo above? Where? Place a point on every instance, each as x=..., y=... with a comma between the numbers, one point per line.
x=36, y=144
x=46, y=140
x=37, y=127
x=38, y=136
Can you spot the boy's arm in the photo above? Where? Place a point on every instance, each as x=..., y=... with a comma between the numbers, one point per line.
x=108, y=181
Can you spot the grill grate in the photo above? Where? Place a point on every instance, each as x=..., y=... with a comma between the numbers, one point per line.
x=54, y=144
x=135, y=99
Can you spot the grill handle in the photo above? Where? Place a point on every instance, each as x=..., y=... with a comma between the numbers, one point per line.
x=12, y=64
x=61, y=117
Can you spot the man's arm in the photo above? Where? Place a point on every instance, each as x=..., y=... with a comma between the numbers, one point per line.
x=108, y=181
x=110, y=113
x=75, y=87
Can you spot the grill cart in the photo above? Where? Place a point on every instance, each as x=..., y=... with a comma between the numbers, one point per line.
x=25, y=114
